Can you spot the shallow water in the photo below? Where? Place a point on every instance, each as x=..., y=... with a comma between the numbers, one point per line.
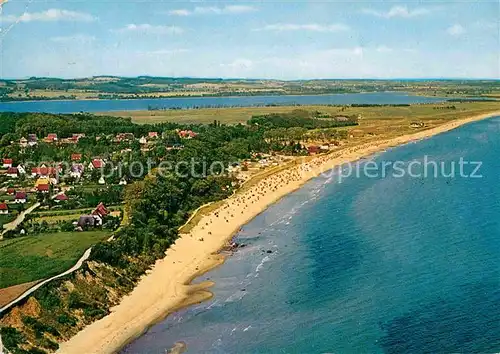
x=369, y=265
x=245, y=101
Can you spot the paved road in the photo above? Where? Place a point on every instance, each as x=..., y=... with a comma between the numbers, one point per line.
x=12, y=225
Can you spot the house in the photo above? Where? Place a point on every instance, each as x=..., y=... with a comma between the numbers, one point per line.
x=76, y=157
x=143, y=140
x=123, y=182
x=61, y=198
x=89, y=221
x=32, y=139
x=43, y=172
x=43, y=188
x=4, y=209
x=42, y=180
x=417, y=125
x=7, y=163
x=187, y=134
x=51, y=138
x=21, y=169
x=11, y=191
x=12, y=172
x=153, y=135
x=76, y=170
x=102, y=180
x=21, y=198
x=324, y=147
x=124, y=137
x=313, y=150
x=100, y=210
x=96, y=163
x=23, y=142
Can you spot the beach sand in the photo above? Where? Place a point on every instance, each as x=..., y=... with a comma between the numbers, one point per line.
x=166, y=287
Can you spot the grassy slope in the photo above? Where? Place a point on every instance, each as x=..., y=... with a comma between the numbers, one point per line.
x=31, y=258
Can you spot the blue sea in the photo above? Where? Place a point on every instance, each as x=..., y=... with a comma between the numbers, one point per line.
x=74, y=106
x=369, y=265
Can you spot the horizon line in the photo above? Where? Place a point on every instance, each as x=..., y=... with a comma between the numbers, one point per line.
x=252, y=79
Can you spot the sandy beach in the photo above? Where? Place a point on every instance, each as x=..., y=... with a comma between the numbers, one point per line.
x=166, y=287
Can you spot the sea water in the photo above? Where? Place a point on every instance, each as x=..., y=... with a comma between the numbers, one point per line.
x=369, y=265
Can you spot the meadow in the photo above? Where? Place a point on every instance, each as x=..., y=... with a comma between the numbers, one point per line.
x=30, y=258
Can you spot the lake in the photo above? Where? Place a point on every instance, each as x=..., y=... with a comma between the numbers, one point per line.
x=369, y=265
x=200, y=102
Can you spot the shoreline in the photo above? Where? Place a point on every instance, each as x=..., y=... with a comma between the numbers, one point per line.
x=167, y=287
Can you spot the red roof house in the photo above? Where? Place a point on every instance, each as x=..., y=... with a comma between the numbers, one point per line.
x=100, y=210
x=12, y=172
x=51, y=138
x=21, y=197
x=11, y=191
x=97, y=163
x=7, y=163
x=4, y=209
x=76, y=157
x=44, y=188
x=62, y=197
x=153, y=135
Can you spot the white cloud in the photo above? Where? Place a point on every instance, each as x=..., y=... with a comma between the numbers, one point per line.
x=77, y=38
x=180, y=12
x=166, y=51
x=214, y=10
x=384, y=49
x=281, y=27
x=147, y=28
x=51, y=15
x=398, y=11
x=240, y=64
x=455, y=30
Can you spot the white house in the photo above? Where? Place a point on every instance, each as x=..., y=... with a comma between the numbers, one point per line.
x=21, y=170
x=102, y=180
x=143, y=140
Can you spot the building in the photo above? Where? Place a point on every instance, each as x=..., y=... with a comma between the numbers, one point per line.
x=7, y=163
x=100, y=210
x=153, y=135
x=76, y=157
x=43, y=188
x=313, y=150
x=61, y=198
x=23, y=142
x=11, y=191
x=96, y=164
x=44, y=172
x=21, y=169
x=102, y=180
x=143, y=140
x=21, y=198
x=123, y=182
x=187, y=134
x=417, y=125
x=51, y=138
x=87, y=221
x=76, y=170
x=4, y=209
x=12, y=172
x=32, y=139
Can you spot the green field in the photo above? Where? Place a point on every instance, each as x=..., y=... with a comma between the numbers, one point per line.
x=30, y=258
x=368, y=114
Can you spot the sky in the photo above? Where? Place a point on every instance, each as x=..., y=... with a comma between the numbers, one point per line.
x=265, y=39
